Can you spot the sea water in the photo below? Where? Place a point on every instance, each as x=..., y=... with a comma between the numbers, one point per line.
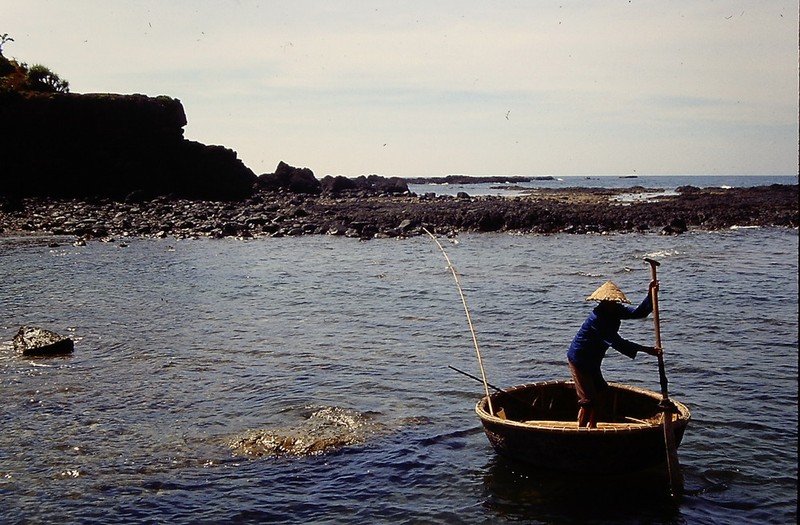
x=658, y=184
x=181, y=347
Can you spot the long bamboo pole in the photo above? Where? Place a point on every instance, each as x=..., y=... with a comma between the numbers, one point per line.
x=469, y=317
x=673, y=465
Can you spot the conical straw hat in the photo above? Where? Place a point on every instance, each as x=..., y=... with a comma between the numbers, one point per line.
x=608, y=292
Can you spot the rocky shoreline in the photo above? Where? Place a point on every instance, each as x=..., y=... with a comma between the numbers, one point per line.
x=107, y=166
x=104, y=166
x=365, y=214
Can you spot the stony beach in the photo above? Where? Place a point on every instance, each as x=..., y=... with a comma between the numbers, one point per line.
x=370, y=214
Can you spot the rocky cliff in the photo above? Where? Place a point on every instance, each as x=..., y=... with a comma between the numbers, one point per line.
x=108, y=145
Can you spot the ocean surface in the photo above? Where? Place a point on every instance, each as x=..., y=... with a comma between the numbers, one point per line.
x=660, y=184
x=183, y=347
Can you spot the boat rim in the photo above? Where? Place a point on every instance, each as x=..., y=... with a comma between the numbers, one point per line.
x=571, y=426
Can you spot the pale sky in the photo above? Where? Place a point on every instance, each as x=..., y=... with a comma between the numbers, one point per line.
x=427, y=88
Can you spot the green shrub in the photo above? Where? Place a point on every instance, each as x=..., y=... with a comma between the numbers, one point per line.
x=40, y=78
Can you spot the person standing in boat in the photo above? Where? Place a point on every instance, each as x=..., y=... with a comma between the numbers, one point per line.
x=596, y=335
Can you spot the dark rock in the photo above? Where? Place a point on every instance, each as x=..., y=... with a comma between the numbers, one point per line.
x=368, y=185
x=209, y=172
x=386, y=184
x=337, y=184
x=117, y=146
x=406, y=225
x=490, y=220
x=369, y=231
x=675, y=227
x=33, y=341
x=295, y=180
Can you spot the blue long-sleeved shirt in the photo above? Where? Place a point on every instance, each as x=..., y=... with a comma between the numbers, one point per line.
x=600, y=331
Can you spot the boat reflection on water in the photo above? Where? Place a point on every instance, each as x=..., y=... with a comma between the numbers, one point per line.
x=518, y=491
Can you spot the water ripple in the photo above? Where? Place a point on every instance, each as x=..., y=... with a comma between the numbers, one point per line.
x=183, y=345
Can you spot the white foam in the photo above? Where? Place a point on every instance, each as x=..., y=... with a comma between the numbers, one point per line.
x=661, y=254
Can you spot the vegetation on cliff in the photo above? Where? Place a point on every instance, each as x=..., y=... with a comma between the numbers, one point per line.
x=18, y=76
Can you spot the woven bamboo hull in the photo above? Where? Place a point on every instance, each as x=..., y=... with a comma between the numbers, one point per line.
x=541, y=428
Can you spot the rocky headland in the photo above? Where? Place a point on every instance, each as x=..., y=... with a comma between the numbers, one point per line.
x=67, y=145
x=54, y=143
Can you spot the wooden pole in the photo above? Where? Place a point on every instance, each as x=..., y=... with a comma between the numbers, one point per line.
x=668, y=408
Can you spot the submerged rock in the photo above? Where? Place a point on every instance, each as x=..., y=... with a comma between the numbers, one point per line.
x=33, y=341
x=325, y=429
